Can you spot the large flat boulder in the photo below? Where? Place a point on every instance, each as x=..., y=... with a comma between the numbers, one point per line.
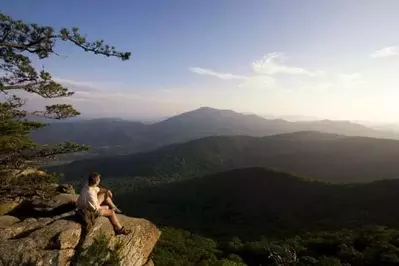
x=37, y=242
x=58, y=241
x=135, y=247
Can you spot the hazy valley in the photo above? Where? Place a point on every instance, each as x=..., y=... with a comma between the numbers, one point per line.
x=276, y=183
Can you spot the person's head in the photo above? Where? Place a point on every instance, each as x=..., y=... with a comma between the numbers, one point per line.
x=94, y=179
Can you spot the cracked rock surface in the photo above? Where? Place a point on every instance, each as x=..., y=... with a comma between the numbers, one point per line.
x=56, y=240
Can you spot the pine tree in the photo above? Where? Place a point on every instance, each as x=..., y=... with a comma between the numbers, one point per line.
x=19, y=43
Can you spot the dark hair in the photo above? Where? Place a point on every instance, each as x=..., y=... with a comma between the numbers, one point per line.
x=93, y=177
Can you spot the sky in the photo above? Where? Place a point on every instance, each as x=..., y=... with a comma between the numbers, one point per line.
x=328, y=59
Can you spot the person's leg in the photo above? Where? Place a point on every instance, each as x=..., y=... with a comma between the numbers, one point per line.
x=101, y=198
x=109, y=202
x=106, y=198
x=110, y=214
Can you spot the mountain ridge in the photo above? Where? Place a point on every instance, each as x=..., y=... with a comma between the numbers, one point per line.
x=328, y=157
x=113, y=137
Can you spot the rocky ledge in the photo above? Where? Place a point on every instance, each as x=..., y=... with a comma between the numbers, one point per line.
x=53, y=235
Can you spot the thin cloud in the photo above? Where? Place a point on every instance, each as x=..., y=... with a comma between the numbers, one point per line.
x=386, y=52
x=322, y=87
x=351, y=80
x=84, y=92
x=263, y=71
x=271, y=64
x=75, y=82
x=86, y=85
x=250, y=82
x=258, y=82
x=210, y=72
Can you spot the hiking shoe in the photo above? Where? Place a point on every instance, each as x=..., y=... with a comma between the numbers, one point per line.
x=122, y=231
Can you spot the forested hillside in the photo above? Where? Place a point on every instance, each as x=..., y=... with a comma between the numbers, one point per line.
x=115, y=136
x=257, y=216
x=376, y=245
x=252, y=202
x=327, y=157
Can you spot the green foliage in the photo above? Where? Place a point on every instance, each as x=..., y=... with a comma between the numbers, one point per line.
x=29, y=184
x=100, y=253
x=19, y=42
x=178, y=247
x=379, y=246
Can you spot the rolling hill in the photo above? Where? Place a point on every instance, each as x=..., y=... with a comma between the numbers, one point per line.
x=254, y=202
x=111, y=137
x=326, y=157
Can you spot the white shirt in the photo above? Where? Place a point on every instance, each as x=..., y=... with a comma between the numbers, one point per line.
x=88, y=198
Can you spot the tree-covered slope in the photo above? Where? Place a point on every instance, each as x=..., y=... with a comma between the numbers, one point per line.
x=255, y=202
x=376, y=245
x=326, y=157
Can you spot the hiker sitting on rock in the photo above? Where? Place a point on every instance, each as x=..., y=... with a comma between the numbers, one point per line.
x=99, y=200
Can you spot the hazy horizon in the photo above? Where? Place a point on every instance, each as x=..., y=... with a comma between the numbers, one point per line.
x=332, y=60
x=289, y=118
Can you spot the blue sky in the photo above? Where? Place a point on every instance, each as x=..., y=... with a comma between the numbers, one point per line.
x=331, y=59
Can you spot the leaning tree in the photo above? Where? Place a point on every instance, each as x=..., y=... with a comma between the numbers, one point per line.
x=19, y=43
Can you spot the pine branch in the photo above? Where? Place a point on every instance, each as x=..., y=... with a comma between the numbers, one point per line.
x=17, y=39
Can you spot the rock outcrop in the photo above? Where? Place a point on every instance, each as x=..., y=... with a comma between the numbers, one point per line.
x=53, y=235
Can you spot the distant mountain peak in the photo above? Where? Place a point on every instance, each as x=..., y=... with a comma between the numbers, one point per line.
x=206, y=108
x=212, y=110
